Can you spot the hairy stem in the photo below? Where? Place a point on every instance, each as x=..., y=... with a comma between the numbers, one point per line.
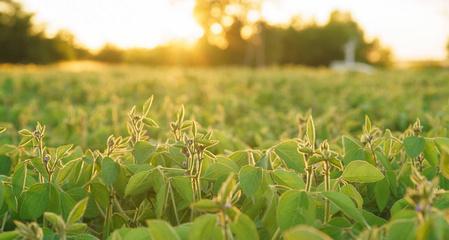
x=327, y=184
x=309, y=178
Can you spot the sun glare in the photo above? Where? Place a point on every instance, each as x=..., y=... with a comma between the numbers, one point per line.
x=134, y=24
x=216, y=28
x=419, y=30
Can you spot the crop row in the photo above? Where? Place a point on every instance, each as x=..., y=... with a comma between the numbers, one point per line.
x=378, y=185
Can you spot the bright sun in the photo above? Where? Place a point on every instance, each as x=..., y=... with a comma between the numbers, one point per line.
x=147, y=23
x=131, y=23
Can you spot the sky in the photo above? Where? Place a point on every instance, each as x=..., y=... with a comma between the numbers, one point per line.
x=414, y=29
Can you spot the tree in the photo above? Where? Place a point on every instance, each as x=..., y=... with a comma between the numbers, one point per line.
x=378, y=55
x=305, y=43
x=232, y=25
x=216, y=17
x=318, y=45
x=22, y=42
x=111, y=54
x=15, y=32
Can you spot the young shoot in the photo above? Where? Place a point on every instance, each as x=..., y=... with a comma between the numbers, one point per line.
x=139, y=121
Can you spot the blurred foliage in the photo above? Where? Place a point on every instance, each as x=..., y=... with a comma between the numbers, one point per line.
x=237, y=27
x=299, y=42
x=88, y=171
x=220, y=18
x=246, y=107
x=23, y=42
x=110, y=53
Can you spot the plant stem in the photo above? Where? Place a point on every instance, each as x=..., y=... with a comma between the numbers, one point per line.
x=224, y=225
x=276, y=234
x=374, y=155
x=327, y=184
x=309, y=178
x=108, y=216
x=62, y=236
x=120, y=209
x=175, y=210
x=5, y=217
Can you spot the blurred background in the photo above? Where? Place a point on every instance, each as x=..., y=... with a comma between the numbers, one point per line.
x=226, y=32
x=246, y=68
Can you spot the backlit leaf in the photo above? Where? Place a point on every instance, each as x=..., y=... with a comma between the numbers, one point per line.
x=161, y=230
x=414, y=145
x=250, y=179
x=345, y=204
x=361, y=172
x=288, y=153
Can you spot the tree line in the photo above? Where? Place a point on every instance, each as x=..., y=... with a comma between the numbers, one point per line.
x=21, y=41
x=309, y=44
x=230, y=38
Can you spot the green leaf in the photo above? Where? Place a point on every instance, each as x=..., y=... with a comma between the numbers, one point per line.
x=372, y=219
x=19, y=178
x=77, y=211
x=54, y=200
x=401, y=229
x=2, y=195
x=206, y=205
x=288, y=178
x=399, y=206
x=109, y=171
x=392, y=181
x=34, y=201
x=382, y=193
x=361, y=172
x=384, y=160
x=310, y=130
x=7, y=148
x=250, y=179
x=430, y=152
x=76, y=228
x=139, y=233
x=241, y=158
x=264, y=162
x=353, y=151
x=414, y=145
x=139, y=183
x=66, y=202
x=221, y=168
x=161, y=230
x=226, y=189
x=304, y=232
x=345, y=204
x=161, y=200
x=5, y=165
x=70, y=172
x=295, y=207
x=183, y=186
x=183, y=230
x=11, y=235
x=143, y=151
x=100, y=194
x=352, y=192
x=39, y=166
x=10, y=199
x=206, y=227
x=444, y=158
x=55, y=220
x=244, y=228
x=367, y=125
x=150, y=122
x=288, y=153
